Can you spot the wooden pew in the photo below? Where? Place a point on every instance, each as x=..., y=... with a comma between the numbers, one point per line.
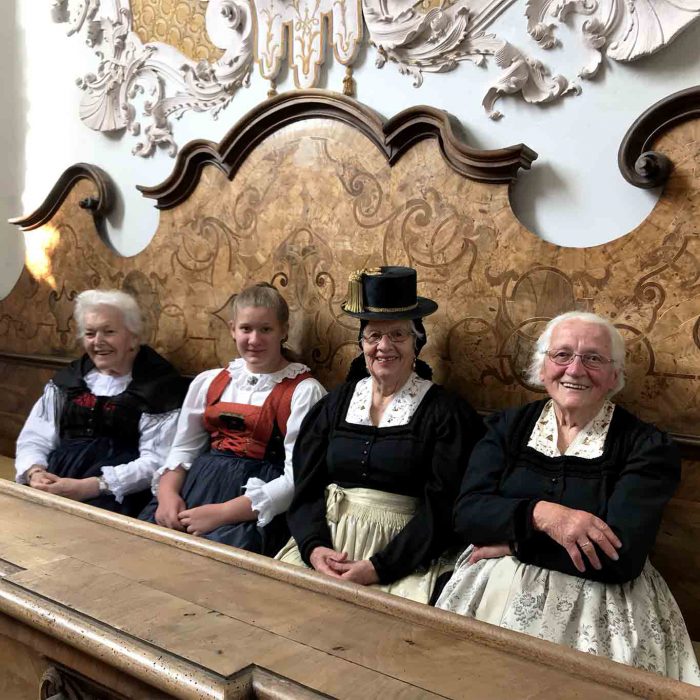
x=100, y=600
x=310, y=186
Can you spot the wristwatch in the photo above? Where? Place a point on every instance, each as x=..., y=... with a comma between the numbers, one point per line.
x=104, y=486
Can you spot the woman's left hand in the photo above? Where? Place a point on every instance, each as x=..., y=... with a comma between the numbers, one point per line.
x=203, y=519
x=362, y=572
x=489, y=551
x=77, y=489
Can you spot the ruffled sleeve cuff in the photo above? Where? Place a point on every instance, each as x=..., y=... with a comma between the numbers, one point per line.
x=23, y=466
x=269, y=499
x=115, y=484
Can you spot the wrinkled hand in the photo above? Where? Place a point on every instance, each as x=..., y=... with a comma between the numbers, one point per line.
x=170, y=505
x=362, y=572
x=76, y=489
x=39, y=476
x=489, y=551
x=328, y=561
x=203, y=519
x=577, y=531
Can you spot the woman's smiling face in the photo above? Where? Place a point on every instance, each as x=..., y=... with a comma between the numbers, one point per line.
x=108, y=342
x=389, y=361
x=574, y=386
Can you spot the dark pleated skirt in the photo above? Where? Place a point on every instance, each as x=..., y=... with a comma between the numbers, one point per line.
x=79, y=458
x=216, y=477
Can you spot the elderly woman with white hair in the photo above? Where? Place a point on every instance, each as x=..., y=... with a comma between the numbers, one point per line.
x=105, y=422
x=562, y=501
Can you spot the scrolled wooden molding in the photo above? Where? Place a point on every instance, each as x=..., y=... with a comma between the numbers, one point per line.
x=99, y=205
x=639, y=164
x=393, y=138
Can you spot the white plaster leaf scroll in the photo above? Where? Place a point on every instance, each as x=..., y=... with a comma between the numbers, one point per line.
x=527, y=76
x=141, y=86
x=302, y=23
x=622, y=30
x=435, y=39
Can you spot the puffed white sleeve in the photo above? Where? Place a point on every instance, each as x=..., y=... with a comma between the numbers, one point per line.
x=156, y=433
x=191, y=437
x=39, y=435
x=272, y=498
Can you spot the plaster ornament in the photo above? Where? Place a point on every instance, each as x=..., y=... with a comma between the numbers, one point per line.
x=622, y=30
x=141, y=86
x=297, y=29
x=432, y=40
x=526, y=76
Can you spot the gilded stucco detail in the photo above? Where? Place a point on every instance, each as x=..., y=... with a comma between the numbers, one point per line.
x=179, y=23
x=317, y=200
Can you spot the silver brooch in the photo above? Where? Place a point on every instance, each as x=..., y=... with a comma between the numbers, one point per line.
x=252, y=380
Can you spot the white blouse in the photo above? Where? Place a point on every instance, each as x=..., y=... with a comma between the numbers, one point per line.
x=268, y=499
x=588, y=443
x=40, y=436
x=399, y=412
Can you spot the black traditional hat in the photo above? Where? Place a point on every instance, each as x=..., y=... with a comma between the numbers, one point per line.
x=386, y=293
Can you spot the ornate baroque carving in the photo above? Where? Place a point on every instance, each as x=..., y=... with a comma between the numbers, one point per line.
x=141, y=86
x=623, y=30
x=154, y=81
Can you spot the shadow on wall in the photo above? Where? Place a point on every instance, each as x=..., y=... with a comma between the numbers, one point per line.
x=12, y=112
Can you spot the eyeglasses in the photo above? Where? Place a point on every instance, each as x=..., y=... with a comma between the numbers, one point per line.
x=398, y=335
x=591, y=360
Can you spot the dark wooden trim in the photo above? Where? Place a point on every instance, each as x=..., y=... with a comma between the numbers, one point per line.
x=41, y=361
x=639, y=164
x=393, y=138
x=99, y=205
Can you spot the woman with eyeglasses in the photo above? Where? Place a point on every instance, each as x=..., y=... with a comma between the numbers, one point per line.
x=562, y=501
x=378, y=462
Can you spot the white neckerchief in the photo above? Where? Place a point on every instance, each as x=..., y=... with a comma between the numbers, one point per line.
x=399, y=412
x=588, y=443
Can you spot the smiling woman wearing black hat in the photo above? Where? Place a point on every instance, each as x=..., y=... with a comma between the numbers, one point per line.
x=378, y=462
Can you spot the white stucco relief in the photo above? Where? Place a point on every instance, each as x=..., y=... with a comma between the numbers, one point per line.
x=141, y=87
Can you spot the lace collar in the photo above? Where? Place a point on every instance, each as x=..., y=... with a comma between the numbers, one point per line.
x=105, y=384
x=588, y=443
x=244, y=379
x=399, y=412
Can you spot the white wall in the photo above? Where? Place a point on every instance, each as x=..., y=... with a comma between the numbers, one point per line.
x=573, y=196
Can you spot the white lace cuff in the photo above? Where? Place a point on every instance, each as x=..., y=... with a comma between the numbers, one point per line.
x=157, y=475
x=268, y=499
x=115, y=484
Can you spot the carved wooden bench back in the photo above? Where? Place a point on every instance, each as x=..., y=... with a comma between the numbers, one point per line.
x=311, y=186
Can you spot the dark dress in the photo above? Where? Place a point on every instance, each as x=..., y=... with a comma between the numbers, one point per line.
x=424, y=459
x=245, y=441
x=624, y=611
x=98, y=431
x=627, y=487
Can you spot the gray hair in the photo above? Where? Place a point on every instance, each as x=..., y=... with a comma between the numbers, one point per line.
x=90, y=299
x=617, y=347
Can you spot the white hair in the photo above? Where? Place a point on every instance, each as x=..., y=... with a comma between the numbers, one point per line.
x=90, y=299
x=617, y=347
